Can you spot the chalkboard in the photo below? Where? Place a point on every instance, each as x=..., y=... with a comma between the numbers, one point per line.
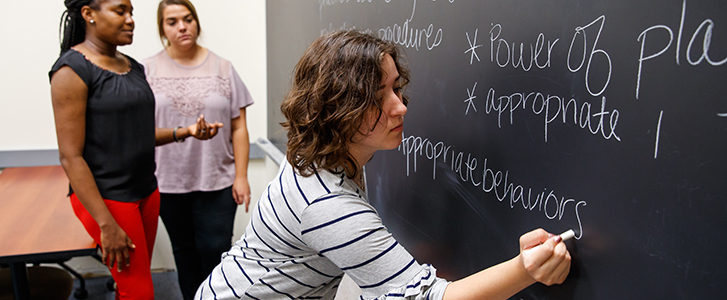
x=608, y=117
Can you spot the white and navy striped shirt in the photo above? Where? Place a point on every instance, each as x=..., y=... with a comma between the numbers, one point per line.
x=305, y=232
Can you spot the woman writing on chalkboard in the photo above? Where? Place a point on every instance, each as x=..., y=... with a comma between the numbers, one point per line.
x=104, y=117
x=313, y=222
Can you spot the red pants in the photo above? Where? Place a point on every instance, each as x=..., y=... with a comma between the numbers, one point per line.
x=139, y=220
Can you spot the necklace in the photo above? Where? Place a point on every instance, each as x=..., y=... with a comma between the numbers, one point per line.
x=358, y=179
x=361, y=182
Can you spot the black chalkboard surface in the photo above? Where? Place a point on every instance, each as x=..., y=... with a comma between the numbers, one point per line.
x=607, y=117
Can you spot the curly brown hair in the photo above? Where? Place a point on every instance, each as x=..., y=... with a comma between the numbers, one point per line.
x=334, y=85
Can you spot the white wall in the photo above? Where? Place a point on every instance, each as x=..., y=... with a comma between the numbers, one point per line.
x=233, y=29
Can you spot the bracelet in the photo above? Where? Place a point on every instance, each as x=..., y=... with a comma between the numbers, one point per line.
x=174, y=135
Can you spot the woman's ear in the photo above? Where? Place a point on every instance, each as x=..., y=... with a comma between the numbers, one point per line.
x=88, y=14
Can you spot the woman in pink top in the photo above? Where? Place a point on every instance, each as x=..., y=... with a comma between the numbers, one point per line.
x=201, y=184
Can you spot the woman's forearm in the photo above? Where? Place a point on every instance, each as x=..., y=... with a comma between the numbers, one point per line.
x=163, y=136
x=241, y=150
x=501, y=281
x=240, y=144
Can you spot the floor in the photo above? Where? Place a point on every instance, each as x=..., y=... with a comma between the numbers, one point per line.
x=165, y=287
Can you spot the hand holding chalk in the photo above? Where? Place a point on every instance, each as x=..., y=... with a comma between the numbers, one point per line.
x=564, y=237
x=550, y=263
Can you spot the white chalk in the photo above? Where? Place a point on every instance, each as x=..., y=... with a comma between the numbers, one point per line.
x=567, y=235
x=563, y=236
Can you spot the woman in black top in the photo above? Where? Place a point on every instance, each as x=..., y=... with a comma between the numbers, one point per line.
x=104, y=116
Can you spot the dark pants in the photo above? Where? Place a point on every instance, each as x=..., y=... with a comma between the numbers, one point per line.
x=200, y=228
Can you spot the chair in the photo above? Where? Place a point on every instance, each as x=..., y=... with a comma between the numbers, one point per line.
x=47, y=283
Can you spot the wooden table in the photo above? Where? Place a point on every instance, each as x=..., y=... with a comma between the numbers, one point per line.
x=37, y=223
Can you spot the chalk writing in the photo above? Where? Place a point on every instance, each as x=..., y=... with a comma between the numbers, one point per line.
x=470, y=100
x=322, y=3
x=581, y=32
x=550, y=107
x=642, y=38
x=473, y=46
x=344, y=26
x=658, y=131
x=404, y=34
x=707, y=26
x=496, y=182
x=510, y=55
x=705, y=45
x=412, y=37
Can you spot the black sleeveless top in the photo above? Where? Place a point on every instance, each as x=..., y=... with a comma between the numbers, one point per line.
x=119, y=145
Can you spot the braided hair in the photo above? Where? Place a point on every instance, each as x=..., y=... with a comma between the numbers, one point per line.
x=72, y=30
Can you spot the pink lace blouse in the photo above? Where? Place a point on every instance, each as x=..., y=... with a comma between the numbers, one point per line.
x=182, y=93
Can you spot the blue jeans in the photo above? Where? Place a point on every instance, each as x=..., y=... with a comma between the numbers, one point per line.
x=200, y=227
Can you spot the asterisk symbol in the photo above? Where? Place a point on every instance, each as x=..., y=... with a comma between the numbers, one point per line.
x=471, y=98
x=473, y=46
